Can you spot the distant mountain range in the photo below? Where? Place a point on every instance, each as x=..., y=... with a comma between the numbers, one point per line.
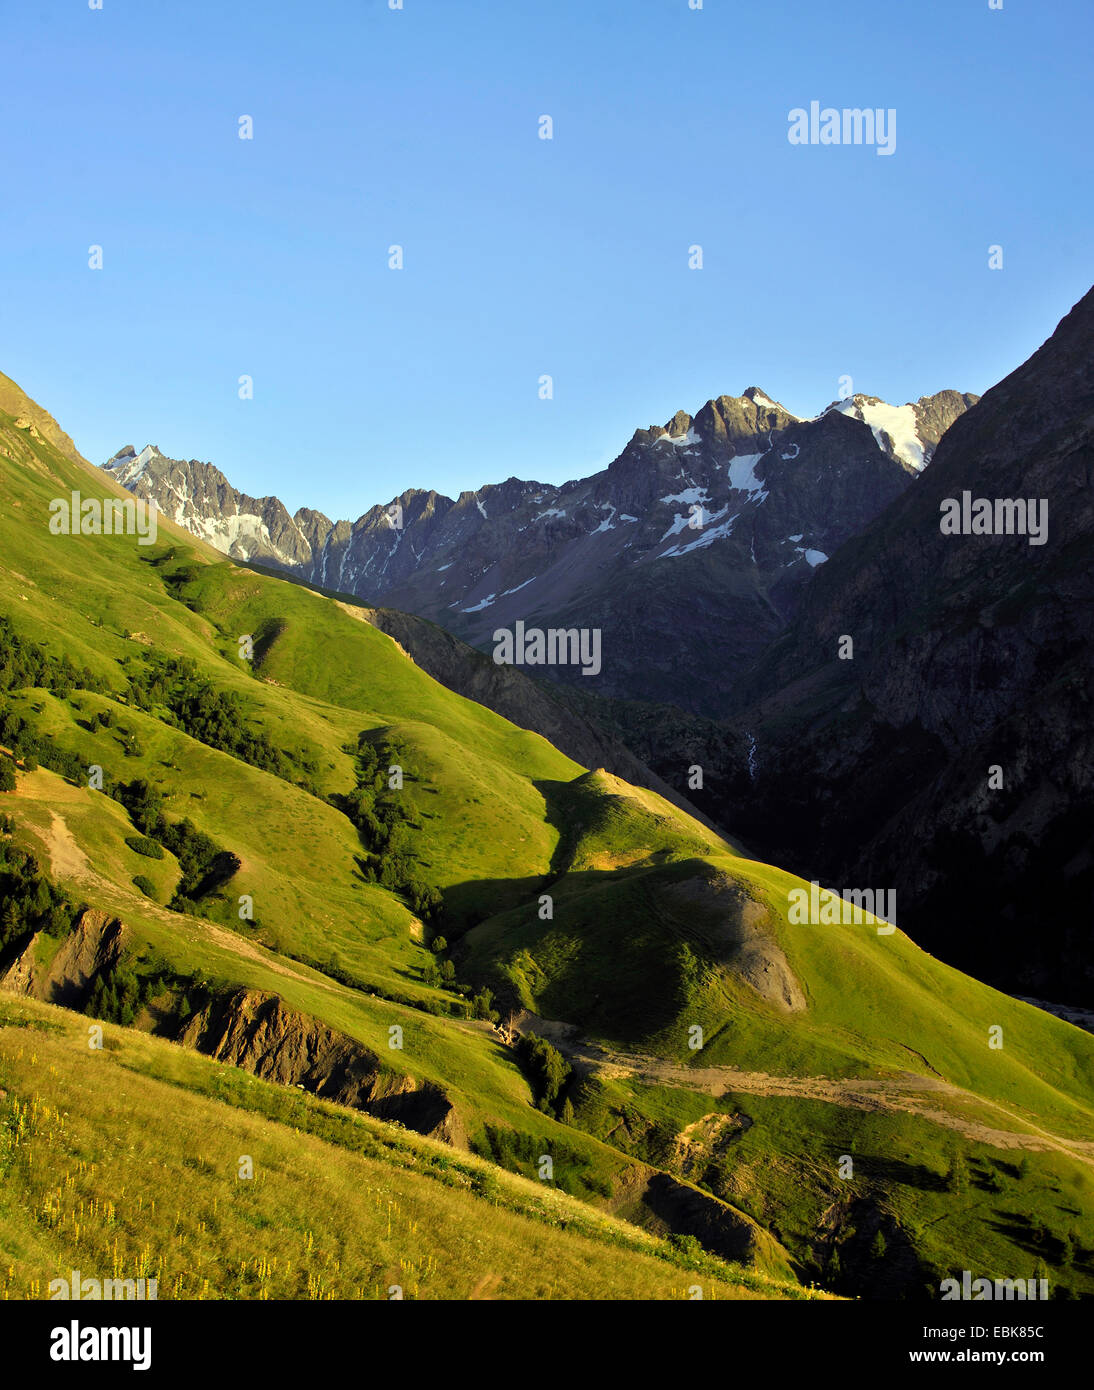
x=698, y=538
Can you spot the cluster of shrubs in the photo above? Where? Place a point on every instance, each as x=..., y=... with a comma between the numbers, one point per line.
x=441, y=973
x=205, y=865
x=104, y=719
x=30, y=901
x=25, y=664
x=548, y=1072
x=142, y=844
x=380, y=816
x=23, y=740
x=521, y=1153
x=438, y=972
x=118, y=995
x=178, y=580
x=332, y=967
x=218, y=718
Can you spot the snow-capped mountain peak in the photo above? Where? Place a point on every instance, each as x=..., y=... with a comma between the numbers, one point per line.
x=128, y=466
x=910, y=432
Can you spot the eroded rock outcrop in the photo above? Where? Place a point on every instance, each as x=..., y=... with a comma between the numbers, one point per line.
x=258, y=1033
x=665, y=1204
x=93, y=946
x=740, y=930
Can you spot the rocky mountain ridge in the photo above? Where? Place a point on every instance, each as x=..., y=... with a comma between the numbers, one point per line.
x=702, y=531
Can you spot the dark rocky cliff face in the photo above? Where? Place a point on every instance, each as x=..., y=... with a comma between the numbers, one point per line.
x=953, y=758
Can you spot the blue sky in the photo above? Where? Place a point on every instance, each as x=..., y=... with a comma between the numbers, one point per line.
x=224, y=257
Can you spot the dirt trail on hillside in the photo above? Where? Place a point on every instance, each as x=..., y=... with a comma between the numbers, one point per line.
x=907, y=1092
x=66, y=858
x=68, y=861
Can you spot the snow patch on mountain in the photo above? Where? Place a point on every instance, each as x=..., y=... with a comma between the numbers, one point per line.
x=742, y=475
x=478, y=607
x=708, y=536
x=682, y=441
x=810, y=556
x=897, y=421
x=688, y=496
x=678, y=524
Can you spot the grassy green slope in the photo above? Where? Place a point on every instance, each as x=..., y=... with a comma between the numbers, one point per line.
x=337, y=1205
x=640, y=957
